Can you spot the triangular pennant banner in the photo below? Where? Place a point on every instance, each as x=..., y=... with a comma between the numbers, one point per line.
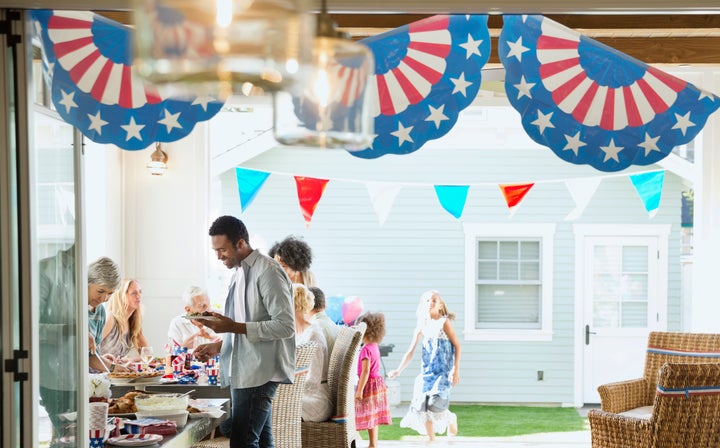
x=249, y=183
x=452, y=198
x=382, y=196
x=309, y=190
x=514, y=193
x=581, y=190
x=649, y=188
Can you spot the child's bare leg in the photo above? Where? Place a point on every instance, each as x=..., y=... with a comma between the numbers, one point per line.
x=452, y=425
x=429, y=429
x=373, y=437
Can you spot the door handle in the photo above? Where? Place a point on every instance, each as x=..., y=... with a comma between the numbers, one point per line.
x=587, y=334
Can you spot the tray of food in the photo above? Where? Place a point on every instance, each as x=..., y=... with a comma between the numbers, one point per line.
x=123, y=378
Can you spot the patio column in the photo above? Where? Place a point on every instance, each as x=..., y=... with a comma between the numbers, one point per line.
x=705, y=299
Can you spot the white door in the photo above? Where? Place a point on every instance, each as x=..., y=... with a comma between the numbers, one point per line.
x=623, y=293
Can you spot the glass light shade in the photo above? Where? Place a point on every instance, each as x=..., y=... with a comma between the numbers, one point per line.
x=213, y=47
x=158, y=162
x=333, y=110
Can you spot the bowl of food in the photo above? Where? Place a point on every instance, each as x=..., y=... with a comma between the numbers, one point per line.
x=161, y=402
x=179, y=417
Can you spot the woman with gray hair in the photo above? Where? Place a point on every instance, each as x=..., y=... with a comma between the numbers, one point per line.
x=191, y=332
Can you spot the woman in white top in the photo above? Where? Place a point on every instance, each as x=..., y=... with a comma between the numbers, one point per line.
x=316, y=403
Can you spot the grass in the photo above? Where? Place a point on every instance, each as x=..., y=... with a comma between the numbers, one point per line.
x=500, y=421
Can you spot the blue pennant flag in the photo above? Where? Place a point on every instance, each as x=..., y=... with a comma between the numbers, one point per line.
x=452, y=198
x=249, y=183
x=649, y=188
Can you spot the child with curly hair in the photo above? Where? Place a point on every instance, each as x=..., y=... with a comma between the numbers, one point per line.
x=371, y=403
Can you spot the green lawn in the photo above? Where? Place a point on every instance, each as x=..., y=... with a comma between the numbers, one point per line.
x=500, y=421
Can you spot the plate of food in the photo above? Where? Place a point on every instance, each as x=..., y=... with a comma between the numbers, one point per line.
x=201, y=316
x=124, y=378
x=134, y=439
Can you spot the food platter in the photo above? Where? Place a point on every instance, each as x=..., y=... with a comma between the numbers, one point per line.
x=124, y=378
x=134, y=440
x=201, y=317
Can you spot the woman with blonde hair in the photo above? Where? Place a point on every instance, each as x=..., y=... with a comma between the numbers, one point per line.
x=123, y=329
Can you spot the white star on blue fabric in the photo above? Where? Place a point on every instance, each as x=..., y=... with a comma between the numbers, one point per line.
x=203, y=102
x=133, y=129
x=68, y=100
x=524, y=88
x=517, y=49
x=650, y=144
x=471, y=47
x=96, y=123
x=543, y=121
x=460, y=84
x=403, y=134
x=170, y=121
x=683, y=122
x=437, y=116
x=574, y=143
x=611, y=151
x=96, y=442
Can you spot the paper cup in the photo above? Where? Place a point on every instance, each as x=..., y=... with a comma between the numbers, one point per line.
x=98, y=416
x=97, y=438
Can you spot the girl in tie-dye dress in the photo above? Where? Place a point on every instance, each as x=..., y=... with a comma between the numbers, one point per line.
x=429, y=412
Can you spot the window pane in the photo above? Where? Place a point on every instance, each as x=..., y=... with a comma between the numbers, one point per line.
x=508, y=306
x=487, y=270
x=508, y=270
x=509, y=250
x=530, y=250
x=606, y=287
x=606, y=259
x=487, y=250
x=606, y=314
x=635, y=287
x=529, y=271
x=635, y=259
x=634, y=315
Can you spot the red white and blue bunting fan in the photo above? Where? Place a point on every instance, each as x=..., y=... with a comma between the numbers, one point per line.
x=93, y=88
x=592, y=104
x=426, y=72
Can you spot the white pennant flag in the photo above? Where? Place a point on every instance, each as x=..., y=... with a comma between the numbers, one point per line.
x=581, y=190
x=382, y=196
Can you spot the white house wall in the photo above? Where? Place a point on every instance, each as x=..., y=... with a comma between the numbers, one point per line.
x=421, y=246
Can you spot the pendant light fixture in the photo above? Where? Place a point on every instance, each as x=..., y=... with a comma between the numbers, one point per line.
x=214, y=47
x=333, y=110
x=158, y=161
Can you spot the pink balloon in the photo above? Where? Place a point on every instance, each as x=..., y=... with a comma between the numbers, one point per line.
x=351, y=309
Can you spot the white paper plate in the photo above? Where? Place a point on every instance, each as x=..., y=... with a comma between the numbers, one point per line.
x=134, y=440
x=126, y=381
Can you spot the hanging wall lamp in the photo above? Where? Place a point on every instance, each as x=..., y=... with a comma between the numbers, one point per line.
x=158, y=161
x=332, y=111
x=214, y=47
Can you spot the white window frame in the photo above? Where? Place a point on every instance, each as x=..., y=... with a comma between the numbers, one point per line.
x=546, y=234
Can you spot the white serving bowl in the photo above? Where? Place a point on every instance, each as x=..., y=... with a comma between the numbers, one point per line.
x=179, y=417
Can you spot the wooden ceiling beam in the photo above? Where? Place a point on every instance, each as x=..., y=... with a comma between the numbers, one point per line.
x=654, y=39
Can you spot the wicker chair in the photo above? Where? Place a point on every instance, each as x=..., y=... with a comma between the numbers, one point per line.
x=689, y=348
x=685, y=413
x=339, y=431
x=286, y=407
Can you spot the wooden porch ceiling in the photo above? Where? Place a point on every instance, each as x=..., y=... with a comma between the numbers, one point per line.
x=657, y=39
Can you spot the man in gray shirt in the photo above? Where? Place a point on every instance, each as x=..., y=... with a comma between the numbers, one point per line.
x=258, y=348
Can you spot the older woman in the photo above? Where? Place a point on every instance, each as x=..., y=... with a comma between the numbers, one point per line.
x=123, y=329
x=316, y=403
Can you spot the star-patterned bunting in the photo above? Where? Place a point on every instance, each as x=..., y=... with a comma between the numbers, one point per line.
x=425, y=74
x=88, y=66
x=590, y=103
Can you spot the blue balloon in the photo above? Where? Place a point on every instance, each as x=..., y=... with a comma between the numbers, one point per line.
x=333, y=308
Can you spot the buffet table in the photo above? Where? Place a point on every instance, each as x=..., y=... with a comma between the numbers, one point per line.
x=196, y=429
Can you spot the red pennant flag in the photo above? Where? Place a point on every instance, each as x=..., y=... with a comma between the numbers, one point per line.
x=309, y=191
x=514, y=193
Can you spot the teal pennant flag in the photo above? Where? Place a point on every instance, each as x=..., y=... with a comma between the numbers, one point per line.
x=249, y=184
x=452, y=198
x=649, y=187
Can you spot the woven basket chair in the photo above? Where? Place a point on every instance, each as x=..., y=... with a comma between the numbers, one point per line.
x=685, y=414
x=689, y=348
x=339, y=431
x=286, y=406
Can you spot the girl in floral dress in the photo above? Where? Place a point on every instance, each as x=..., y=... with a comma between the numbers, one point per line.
x=371, y=403
x=429, y=409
